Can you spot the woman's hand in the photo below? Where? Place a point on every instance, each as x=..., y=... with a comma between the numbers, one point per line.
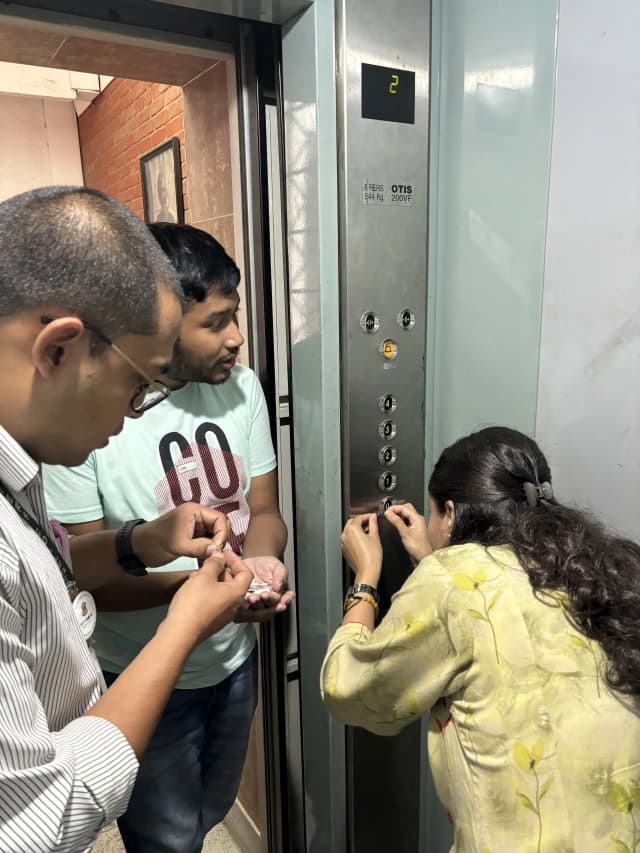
x=360, y=542
x=412, y=528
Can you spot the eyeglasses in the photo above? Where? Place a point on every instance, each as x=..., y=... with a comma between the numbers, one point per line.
x=147, y=395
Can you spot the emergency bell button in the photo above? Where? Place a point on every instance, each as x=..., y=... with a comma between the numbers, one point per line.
x=387, y=429
x=387, y=482
x=406, y=319
x=369, y=322
x=387, y=455
x=389, y=349
x=387, y=403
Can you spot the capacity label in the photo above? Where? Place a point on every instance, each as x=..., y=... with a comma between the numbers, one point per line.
x=378, y=192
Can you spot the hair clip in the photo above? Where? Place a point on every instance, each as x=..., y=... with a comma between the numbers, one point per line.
x=537, y=492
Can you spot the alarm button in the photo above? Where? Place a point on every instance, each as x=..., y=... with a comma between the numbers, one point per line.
x=389, y=349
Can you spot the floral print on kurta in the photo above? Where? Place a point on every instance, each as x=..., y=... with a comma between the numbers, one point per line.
x=530, y=750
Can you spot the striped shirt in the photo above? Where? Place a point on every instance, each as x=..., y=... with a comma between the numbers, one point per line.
x=63, y=776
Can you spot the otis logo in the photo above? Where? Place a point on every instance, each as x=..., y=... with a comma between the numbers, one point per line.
x=401, y=193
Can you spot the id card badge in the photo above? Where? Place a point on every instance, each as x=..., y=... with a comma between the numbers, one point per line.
x=84, y=608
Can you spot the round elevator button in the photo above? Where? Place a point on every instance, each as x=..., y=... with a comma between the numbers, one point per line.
x=385, y=503
x=389, y=349
x=387, y=403
x=369, y=322
x=387, y=482
x=387, y=429
x=406, y=319
x=387, y=455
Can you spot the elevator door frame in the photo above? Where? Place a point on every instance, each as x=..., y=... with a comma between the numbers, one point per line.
x=252, y=44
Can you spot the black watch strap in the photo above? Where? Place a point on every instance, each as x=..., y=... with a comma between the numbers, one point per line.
x=355, y=588
x=124, y=550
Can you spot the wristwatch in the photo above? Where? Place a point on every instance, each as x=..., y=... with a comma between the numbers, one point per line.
x=124, y=550
x=364, y=587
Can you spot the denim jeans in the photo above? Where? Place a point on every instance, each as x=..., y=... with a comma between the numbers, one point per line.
x=189, y=775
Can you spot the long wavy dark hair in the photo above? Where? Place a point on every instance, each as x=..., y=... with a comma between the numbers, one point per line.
x=560, y=548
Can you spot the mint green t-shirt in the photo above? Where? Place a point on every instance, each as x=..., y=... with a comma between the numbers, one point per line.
x=203, y=444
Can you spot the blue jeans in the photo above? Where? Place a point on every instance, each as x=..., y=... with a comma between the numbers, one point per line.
x=189, y=775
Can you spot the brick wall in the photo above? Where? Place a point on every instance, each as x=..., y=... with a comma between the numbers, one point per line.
x=124, y=122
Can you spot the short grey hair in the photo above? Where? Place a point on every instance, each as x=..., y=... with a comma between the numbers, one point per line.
x=81, y=250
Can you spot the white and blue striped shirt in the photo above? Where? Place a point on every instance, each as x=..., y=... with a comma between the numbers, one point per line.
x=63, y=776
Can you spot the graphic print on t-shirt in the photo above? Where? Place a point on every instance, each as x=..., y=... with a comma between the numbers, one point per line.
x=207, y=472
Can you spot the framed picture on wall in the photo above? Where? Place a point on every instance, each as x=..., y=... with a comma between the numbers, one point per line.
x=162, y=183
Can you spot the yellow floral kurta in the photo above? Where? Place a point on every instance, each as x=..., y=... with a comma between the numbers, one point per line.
x=529, y=749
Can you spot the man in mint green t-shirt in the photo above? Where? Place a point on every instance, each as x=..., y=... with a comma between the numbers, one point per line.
x=209, y=442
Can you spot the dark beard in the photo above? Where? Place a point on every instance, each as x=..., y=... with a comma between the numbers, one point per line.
x=184, y=370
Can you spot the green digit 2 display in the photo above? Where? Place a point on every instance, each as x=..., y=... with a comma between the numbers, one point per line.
x=388, y=94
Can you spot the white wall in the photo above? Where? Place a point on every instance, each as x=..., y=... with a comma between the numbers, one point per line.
x=39, y=133
x=38, y=144
x=588, y=418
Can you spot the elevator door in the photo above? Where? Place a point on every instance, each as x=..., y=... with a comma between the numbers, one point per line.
x=181, y=48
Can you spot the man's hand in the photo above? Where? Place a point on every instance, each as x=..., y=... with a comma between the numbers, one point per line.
x=262, y=605
x=190, y=530
x=209, y=598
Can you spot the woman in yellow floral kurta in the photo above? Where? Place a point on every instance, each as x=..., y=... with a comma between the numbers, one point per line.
x=531, y=748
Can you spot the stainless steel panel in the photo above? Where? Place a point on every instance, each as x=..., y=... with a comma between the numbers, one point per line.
x=383, y=138
x=383, y=254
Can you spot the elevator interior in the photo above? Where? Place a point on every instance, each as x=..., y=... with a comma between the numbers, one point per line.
x=319, y=794
x=333, y=118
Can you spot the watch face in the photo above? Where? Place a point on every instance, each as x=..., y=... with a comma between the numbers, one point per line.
x=364, y=587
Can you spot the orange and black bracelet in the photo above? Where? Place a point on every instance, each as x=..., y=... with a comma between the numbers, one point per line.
x=352, y=599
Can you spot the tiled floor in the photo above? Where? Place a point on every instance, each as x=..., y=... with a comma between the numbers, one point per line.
x=218, y=841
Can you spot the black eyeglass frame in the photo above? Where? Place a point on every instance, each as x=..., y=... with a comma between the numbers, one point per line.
x=143, y=389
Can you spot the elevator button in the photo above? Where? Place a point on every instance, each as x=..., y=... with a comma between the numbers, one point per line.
x=385, y=503
x=387, y=481
x=406, y=319
x=387, y=455
x=369, y=322
x=387, y=429
x=387, y=403
x=389, y=349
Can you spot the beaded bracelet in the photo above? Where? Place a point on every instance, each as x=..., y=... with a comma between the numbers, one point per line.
x=351, y=600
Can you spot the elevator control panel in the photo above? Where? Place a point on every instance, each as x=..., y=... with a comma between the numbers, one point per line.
x=383, y=245
x=382, y=73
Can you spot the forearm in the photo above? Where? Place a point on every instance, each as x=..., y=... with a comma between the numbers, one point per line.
x=135, y=701
x=93, y=556
x=133, y=593
x=96, y=568
x=266, y=536
x=362, y=613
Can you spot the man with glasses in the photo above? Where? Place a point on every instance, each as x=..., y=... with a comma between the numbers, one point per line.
x=210, y=442
x=146, y=395
x=89, y=313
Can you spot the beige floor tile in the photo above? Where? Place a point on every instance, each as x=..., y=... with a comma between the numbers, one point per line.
x=217, y=841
